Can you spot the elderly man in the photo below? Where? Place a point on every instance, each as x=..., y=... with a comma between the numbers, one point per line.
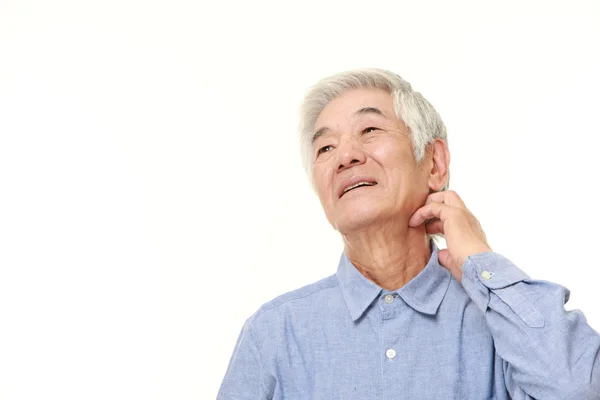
x=402, y=318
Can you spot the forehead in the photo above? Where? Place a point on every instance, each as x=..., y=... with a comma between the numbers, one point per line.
x=343, y=107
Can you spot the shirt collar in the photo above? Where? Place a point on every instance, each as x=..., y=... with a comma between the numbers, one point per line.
x=424, y=292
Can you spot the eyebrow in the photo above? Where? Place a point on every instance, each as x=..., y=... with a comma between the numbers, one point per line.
x=369, y=110
x=362, y=111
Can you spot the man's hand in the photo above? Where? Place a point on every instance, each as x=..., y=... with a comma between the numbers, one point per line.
x=461, y=229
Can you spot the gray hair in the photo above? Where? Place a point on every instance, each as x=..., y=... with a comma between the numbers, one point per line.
x=423, y=122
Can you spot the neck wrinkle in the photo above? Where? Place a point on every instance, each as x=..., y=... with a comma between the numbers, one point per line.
x=389, y=259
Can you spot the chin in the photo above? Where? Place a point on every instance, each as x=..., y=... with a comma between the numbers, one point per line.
x=356, y=219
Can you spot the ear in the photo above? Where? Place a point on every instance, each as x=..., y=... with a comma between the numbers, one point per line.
x=439, y=155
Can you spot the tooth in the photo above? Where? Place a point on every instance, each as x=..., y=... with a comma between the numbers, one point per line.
x=357, y=185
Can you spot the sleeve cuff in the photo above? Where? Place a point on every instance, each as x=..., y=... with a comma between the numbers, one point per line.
x=487, y=271
x=494, y=270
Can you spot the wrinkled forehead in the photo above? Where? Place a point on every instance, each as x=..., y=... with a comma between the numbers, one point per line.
x=354, y=104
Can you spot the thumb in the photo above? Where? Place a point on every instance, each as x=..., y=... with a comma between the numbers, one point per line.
x=445, y=259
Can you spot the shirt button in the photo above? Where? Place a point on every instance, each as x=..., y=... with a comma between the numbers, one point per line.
x=389, y=299
x=390, y=353
x=486, y=274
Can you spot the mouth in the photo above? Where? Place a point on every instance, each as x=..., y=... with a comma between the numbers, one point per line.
x=357, y=186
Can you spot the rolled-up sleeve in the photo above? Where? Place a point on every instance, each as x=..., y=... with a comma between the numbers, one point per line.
x=243, y=378
x=549, y=353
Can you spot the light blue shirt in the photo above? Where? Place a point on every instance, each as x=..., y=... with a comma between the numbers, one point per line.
x=496, y=335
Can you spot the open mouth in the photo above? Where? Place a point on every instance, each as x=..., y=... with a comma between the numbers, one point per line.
x=358, y=185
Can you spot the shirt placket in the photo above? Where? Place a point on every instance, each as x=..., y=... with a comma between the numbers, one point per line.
x=388, y=306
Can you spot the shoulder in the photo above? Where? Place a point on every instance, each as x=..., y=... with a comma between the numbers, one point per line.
x=303, y=298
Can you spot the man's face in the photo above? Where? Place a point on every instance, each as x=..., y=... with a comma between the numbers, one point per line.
x=360, y=137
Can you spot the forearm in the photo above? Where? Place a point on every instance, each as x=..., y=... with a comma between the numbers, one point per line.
x=552, y=353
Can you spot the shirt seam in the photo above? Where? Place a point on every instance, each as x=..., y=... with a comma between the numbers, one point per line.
x=253, y=339
x=272, y=307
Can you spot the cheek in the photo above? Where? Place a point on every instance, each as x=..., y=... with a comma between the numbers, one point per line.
x=396, y=164
x=390, y=150
x=322, y=179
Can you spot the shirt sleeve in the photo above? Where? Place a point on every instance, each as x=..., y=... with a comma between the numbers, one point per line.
x=244, y=376
x=549, y=353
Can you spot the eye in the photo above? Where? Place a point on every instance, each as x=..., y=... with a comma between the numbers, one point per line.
x=369, y=129
x=323, y=149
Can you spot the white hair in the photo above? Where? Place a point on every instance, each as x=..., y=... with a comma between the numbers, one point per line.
x=423, y=122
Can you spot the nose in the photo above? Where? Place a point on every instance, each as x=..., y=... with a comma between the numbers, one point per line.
x=350, y=153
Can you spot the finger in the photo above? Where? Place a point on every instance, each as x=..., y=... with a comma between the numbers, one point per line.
x=449, y=197
x=436, y=197
x=431, y=210
x=445, y=259
x=455, y=199
x=434, y=227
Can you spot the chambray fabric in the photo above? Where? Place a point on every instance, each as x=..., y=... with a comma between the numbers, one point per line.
x=496, y=335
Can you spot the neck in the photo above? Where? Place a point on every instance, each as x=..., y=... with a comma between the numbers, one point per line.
x=390, y=256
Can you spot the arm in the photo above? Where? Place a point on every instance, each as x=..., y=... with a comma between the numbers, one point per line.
x=549, y=353
x=244, y=376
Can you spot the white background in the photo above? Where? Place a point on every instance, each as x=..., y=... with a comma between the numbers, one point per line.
x=151, y=190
